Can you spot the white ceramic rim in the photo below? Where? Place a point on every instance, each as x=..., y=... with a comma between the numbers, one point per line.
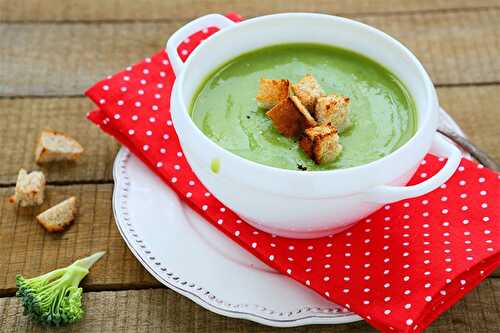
x=430, y=104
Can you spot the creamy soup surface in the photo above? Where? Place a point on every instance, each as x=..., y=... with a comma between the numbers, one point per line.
x=382, y=110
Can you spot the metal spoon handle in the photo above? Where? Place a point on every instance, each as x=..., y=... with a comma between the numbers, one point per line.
x=471, y=148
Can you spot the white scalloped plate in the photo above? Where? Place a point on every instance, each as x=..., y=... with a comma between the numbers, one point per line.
x=190, y=256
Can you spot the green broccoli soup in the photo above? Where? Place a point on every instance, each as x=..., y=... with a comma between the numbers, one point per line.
x=381, y=110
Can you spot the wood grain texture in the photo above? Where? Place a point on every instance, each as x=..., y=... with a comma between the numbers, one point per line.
x=97, y=10
x=66, y=59
x=21, y=123
x=477, y=111
x=456, y=47
x=474, y=108
x=162, y=310
x=28, y=249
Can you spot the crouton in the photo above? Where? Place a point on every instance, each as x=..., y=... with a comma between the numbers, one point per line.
x=30, y=188
x=321, y=143
x=288, y=119
x=308, y=91
x=271, y=92
x=59, y=217
x=56, y=146
x=333, y=109
x=309, y=120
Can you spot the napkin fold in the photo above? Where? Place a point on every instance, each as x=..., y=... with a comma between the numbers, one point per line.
x=399, y=269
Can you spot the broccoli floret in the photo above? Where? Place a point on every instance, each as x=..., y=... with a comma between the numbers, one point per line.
x=54, y=298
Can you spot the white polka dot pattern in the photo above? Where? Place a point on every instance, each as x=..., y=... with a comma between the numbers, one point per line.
x=402, y=264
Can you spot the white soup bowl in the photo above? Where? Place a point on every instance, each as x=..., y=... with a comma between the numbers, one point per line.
x=305, y=204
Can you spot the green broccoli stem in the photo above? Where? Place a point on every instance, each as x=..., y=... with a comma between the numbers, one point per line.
x=71, y=278
x=70, y=275
x=89, y=261
x=64, y=278
x=55, y=297
x=57, y=289
x=84, y=263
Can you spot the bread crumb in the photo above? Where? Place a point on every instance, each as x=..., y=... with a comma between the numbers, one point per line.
x=59, y=217
x=334, y=110
x=30, y=189
x=271, y=92
x=308, y=91
x=321, y=143
x=56, y=146
x=287, y=118
x=309, y=119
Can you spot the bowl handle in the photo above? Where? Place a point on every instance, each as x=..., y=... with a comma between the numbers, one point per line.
x=440, y=147
x=210, y=20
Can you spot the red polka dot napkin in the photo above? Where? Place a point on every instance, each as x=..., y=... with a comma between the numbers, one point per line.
x=399, y=269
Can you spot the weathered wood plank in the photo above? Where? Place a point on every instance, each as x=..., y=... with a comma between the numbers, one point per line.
x=64, y=59
x=21, y=123
x=95, y=10
x=162, y=310
x=454, y=47
x=28, y=249
x=474, y=108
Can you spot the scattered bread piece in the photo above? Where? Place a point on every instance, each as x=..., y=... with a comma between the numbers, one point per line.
x=56, y=146
x=58, y=217
x=309, y=120
x=271, y=92
x=333, y=109
x=321, y=143
x=30, y=188
x=288, y=119
x=308, y=91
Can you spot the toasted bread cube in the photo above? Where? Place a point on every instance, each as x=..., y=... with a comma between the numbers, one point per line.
x=30, y=188
x=308, y=91
x=309, y=119
x=271, y=92
x=321, y=143
x=59, y=217
x=334, y=110
x=288, y=119
x=57, y=146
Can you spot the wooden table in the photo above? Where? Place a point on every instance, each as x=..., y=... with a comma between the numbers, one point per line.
x=51, y=51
